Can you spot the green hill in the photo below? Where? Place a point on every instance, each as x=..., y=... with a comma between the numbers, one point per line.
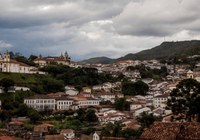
x=167, y=50
x=96, y=60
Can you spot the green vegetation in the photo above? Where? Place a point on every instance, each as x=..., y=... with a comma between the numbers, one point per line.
x=82, y=121
x=147, y=72
x=96, y=60
x=20, y=58
x=166, y=50
x=135, y=88
x=121, y=104
x=78, y=77
x=115, y=130
x=146, y=120
x=12, y=105
x=185, y=99
x=6, y=83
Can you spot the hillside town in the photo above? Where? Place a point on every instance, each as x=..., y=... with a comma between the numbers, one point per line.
x=137, y=112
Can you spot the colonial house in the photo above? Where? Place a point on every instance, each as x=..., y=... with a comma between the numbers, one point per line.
x=56, y=102
x=43, y=61
x=10, y=65
x=41, y=102
x=39, y=131
x=87, y=89
x=83, y=102
x=139, y=111
x=160, y=100
x=68, y=134
x=106, y=96
x=96, y=135
x=112, y=117
x=136, y=105
x=64, y=103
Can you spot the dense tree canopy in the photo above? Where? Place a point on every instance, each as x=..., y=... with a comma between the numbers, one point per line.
x=78, y=76
x=86, y=115
x=6, y=83
x=136, y=88
x=122, y=104
x=185, y=99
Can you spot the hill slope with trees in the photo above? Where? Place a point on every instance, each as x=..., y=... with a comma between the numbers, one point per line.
x=165, y=50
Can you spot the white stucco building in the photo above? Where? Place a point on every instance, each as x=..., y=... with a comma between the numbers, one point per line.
x=160, y=100
x=10, y=65
x=41, y=102
x=64, y=103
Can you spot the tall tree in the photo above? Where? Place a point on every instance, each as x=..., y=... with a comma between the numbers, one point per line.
x=137, y=88
x=6, y=83
x=185, y=99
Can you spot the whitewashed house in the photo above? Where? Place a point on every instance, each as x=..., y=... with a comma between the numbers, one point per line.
x=106, y=96
x=41, y=102
x=68, y=134
x=10, y=65
x=64, y=103
x=139, y=111
x=160, y=100
x=96, y=135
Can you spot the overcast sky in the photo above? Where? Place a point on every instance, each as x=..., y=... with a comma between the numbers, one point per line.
x=91, y=28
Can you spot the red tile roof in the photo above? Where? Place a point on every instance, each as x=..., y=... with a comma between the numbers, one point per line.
x=172, y=131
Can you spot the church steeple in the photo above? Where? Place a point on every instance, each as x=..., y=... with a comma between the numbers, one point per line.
x=7, y=56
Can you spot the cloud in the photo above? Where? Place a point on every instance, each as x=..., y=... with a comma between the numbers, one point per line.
x=5, y=45
x=89, y=28
x=157, y=17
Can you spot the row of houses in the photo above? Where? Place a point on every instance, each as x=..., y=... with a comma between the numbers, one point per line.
x=54, y=102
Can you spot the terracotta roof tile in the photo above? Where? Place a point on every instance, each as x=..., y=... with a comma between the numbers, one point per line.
x=172, y=131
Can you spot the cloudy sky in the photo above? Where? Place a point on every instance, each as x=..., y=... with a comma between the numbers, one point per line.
x=91, y=28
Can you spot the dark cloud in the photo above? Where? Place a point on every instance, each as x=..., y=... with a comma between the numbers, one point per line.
x=88, y=28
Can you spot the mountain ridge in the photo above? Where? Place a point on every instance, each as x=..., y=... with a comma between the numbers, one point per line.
x=165, y=50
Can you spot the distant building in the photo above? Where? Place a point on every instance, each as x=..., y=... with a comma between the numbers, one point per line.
x=160, y=100
x=43, y=61
x=41, y=102
x=10, y=65
x=49, y=102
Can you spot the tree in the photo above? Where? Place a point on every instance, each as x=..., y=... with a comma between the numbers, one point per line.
x=4, y=115
x=147, y=119
x=185, y=99
x=137, y=88
x=33, y=115
x=6, y=83
x=53, y=85
x=90, y=116
x=114, y=130
x=121, y=104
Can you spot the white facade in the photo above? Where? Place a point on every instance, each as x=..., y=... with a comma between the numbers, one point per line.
x=9, y=65
x=142, y=110
x=133, y=106
x=68, y=134
x=44, y=61
x=41, y=103
x=160, y=101
x=88, y=102
x=95, y=136
x=64, y=104
x=107, y=97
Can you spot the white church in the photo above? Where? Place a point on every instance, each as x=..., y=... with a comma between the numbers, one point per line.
x=9, y=65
